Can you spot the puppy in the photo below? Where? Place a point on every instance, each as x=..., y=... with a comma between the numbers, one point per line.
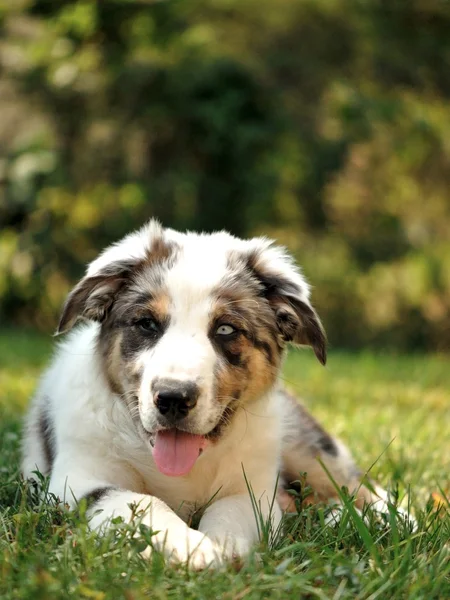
x=166, y=399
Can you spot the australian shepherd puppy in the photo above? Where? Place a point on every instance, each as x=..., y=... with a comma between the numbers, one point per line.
x=166, y=399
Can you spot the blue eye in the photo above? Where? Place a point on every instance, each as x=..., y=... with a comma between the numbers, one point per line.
x=148, y=325
x=225, y=330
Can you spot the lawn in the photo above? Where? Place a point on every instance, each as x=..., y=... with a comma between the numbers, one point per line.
x=393, y=411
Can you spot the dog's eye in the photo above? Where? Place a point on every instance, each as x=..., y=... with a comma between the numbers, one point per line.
x=225, y=330
x=148, y=325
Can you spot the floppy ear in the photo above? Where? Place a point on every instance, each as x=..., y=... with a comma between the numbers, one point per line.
x=288, y=294
x=94, y=295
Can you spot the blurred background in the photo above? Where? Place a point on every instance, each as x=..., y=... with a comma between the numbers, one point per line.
x=322, y=123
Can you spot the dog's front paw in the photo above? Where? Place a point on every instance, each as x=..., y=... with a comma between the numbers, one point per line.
x=198, y=551
x=233, y=548
x=189, y=547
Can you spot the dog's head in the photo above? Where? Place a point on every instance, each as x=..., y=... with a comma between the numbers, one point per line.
x=192, y=327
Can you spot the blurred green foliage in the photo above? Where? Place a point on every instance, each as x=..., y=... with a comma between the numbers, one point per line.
x=323, y=123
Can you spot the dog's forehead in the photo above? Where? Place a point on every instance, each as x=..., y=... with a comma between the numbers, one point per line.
x=201, y=266
x=188, y=270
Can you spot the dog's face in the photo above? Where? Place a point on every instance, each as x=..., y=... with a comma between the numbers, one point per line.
x=193, y=327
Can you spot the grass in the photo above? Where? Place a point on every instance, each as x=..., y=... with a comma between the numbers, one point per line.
x=392, y=410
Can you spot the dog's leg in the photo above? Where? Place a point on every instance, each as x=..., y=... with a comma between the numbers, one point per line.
x=232, y=523
x=174, y=538
x=305, y=446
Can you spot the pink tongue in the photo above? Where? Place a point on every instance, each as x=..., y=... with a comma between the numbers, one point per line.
x=175, y=452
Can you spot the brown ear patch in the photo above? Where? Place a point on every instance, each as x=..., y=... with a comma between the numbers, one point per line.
x=310, y=331
x=297, y=321
x=160, y=251
x=301, y=325
x=287, y=321
x=93, y=297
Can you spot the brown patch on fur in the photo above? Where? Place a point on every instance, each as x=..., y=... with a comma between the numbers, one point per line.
x=118, y=345
x=110, y=349
x=363, y=496
x=307, y=448
x=297, y=321
x=239, y=304
x=93, y=297
x=239, y=384
x=249, y=360
x=247, y=380
x=117, y=342
x=160, y=251
x=159, y=305
x=262, y=374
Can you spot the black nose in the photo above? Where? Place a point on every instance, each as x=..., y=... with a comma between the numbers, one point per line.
x=174, y=399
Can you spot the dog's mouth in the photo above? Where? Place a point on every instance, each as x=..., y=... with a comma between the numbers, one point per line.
x=175, y=452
